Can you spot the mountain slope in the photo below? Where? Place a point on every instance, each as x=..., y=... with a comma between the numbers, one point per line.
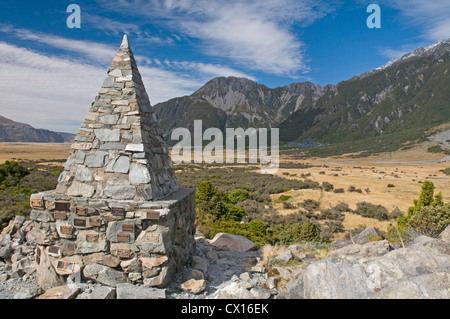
x=389, y=106
x=11, y=131
x=380, y=109
x=236, y=102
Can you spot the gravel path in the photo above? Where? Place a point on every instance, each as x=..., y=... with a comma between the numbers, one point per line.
x=222, y=268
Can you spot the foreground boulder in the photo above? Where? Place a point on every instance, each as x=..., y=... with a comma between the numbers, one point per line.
x=415, y=272
x=233, y=242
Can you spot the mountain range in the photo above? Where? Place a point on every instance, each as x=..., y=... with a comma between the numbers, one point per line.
x=11, y=131
x=382, y=109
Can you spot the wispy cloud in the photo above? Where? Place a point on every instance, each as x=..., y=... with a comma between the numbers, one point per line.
x=46, y=91
x=431, y=16
x=257, y=34
x=55, y=91
x=96, y=52
x=397, y=53
x=116, y=28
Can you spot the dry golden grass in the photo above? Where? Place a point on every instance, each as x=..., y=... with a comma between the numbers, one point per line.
x=405, y=169
x=33, y=151
x=270, y=251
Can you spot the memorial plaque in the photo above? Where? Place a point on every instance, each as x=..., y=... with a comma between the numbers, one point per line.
x=37, y=202
x=53, y=250
x=123, y=238
x=118, y=211
x=95, y=221
x=128, y=228
x=64, y=265
x=81, y=211
x=62, y=206
x=66, y=230
x=92, y=237
x=59, y=215
x=79, y=222
x=152, y=214
x=38, y=255
x=123, y=253
x=153, y=238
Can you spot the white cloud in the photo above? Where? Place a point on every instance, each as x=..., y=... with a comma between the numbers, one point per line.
x=55, y=92
x=391, y=53
x=94, y=51
x=44, y=91
x=431, y=16
x=255, y=33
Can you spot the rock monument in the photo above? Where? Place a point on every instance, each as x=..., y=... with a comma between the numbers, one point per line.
x=118, y=213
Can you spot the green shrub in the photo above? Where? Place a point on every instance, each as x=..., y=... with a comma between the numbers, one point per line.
x=296, y=233
x=338, y=190
x=437, y=149
x=431, y=220
x=238, y=195
x=390, y=185
x=255, y=230
x=233, y=213
x=205, y=192
x=282, y=198
x=18, y=180
x=428, y=215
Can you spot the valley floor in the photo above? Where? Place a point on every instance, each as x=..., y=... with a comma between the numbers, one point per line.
x=392, y=180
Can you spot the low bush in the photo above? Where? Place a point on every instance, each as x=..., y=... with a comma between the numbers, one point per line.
x=309, y=204
x=352, y=188
x=372, y=211
x=327, y=186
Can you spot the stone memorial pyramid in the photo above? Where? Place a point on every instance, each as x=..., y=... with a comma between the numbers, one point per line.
x=118, y=214
x=118, y=152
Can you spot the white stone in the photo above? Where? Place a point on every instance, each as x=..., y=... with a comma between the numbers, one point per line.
x=125, y=78
x=134, y=148
x=116, y=72
x=81, y=189
x=139, y=174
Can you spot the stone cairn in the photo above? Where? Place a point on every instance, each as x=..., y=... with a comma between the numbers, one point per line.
x=118, y=213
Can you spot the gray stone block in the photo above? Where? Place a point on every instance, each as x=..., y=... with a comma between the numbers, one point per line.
x=96, y=160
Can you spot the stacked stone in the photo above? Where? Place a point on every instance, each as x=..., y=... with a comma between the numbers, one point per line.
x=118, y=152
x=112, y=241
x=118, y=213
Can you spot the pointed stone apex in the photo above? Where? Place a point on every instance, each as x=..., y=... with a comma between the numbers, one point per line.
x=125, y=44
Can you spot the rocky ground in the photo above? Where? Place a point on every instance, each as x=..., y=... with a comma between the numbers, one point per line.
x=233, y=267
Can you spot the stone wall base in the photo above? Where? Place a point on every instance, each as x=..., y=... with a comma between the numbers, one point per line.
x=112, y=241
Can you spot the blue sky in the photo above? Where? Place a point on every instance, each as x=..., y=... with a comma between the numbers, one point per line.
x=52, y=73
